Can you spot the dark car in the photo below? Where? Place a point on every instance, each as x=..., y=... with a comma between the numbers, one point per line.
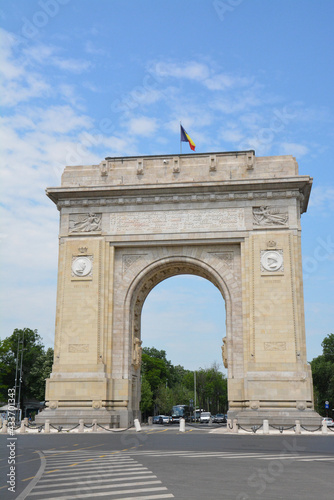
x=219, y=418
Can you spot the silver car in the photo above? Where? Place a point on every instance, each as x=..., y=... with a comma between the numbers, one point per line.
x=205, y=417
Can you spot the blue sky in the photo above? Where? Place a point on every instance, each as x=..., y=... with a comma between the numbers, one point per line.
x=83, y=80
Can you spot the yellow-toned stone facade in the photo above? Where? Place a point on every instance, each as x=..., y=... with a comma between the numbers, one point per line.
x=128, y=224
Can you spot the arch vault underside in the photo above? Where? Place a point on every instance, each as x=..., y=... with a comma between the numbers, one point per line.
x=128, y=224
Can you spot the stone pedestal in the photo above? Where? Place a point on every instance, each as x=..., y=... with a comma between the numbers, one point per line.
x=71, y=417
x=283, y=417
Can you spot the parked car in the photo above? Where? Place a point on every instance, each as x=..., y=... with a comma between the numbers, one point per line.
x=205, y=417
x=164, y=419
x=156, y=419
x=329, y=421
x=219, y=418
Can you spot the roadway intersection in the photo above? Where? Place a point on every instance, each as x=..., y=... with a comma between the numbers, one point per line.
x=161, y=462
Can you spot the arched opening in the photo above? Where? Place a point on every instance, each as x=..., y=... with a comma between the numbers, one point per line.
x=146, y=281
x=182, y=326
x=185, y=316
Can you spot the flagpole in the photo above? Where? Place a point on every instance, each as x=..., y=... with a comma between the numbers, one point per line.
x=180, y=141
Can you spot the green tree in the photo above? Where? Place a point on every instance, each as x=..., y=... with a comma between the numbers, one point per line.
x=146, y=403
x=165, y=399
x=36, y=364
x=40, y=371
x=154, y=370
x=171, y=385
x=323, y=375
x=211, y=389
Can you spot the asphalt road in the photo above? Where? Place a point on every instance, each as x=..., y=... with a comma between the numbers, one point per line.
x=160, y=462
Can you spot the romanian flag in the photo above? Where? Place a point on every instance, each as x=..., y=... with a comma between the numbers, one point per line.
x=185, y=138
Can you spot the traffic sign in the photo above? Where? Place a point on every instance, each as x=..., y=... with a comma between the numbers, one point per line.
x=326, y=404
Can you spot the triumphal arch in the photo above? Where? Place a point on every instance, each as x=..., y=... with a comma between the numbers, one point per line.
x=129, y=223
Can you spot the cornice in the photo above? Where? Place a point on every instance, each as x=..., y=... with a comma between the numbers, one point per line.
x=244, y=189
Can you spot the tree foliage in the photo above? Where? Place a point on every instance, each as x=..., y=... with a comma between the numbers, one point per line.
x=36, y=366
x=323, y=375
x=171, y=385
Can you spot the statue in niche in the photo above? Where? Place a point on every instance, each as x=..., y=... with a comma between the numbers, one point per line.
x=224, y=352
x=266, y=216
x=136, y=354
x=91, y=222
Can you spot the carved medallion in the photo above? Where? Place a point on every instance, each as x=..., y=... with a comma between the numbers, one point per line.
x=272, y=260
x=82, y=266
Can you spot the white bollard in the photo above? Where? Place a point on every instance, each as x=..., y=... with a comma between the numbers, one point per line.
x=265, y=426
x=235, y=426
x=297, y=427
x=23, y=424
x=324, y=429
x=182, y=425
x=4, y=427
x=137, y=425
x=47, y=427
x=94, y=425
x=81, y=425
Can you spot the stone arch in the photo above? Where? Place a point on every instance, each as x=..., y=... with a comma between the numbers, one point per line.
x=220, y=216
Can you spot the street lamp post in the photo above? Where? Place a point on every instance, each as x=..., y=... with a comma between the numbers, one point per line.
x=195, y=395
x=18, y=374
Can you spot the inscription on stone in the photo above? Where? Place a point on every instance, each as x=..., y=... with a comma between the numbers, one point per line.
x=78, y=348
x=177, y=221
x=274, y=346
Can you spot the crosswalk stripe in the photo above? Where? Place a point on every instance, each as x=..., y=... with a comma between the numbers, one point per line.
x=150, y=497
x=106, y=494
x=99, y=480
x=232, y=455
x=89, y=466
x=84, y=459
x=95, y=470
x=96, y=461
x=107, y=476
x=78, y=474
x=97, y=487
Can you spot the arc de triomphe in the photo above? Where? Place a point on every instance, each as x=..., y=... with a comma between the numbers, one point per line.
x=129, y=223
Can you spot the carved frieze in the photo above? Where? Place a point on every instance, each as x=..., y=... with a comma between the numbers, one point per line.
x=188, y=198
x=85, y=223
x=269, y=216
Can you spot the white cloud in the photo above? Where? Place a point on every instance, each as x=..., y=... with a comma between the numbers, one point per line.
x=91, y=48
x=224, y=81
x=73, y=65
x=231, y=135
x=293, y=148
x=322, y=198
x=142, y=126
x=191, y=70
